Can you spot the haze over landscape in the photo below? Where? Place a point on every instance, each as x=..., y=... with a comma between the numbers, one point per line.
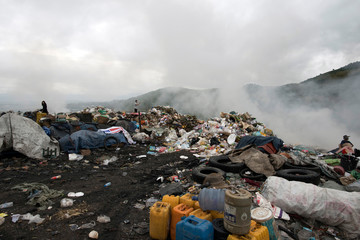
x=65, y=52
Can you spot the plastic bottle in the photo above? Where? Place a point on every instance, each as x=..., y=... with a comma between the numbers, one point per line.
x=212, y=199
x=56, y=177
x=6, y=205
x=107, y=184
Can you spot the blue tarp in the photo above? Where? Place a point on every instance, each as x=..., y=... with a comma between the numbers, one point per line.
x=86, y=139
x=259, y=141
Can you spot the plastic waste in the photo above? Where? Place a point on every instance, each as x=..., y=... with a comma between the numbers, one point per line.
x=107, y=161
x=75, y=157
x=306, y=234
x=151, y=201
x=278, y=212
x=103, y=219
x=66, y=202
x=15, y=218
x=56, y=177
x=32, y=219
x=330, y=206
x=231, y=139
x=107, y=184
x=93, y=234
x=212, y=199
x=139, y=206
x=88, y=225
x=6, y=205
x=74, y=227
x=77, y=194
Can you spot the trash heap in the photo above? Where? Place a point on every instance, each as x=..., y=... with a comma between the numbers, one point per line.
x=241, y=181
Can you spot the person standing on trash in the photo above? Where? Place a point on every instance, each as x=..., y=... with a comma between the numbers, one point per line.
x=136, y=104
x=345, y=142
x=345, y=146
x=44, y=109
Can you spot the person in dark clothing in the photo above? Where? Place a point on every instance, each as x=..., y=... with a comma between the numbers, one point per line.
x=345, y=142
x=44, y=109
x=136, y=105
x=345, y=146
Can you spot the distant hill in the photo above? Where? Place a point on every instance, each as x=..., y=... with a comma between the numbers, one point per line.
x=337, y=90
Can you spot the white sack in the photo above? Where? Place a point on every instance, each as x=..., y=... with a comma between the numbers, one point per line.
x=329, y=206
x=24, y=136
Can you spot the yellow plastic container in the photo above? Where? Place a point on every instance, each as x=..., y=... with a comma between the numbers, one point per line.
x=173, y=200
x=257, y=232
x=187, y=199
x=160, y=220
x=216, y=214
x=177, y=212
x=202, y=215
x=196, y=205
x=40, y=115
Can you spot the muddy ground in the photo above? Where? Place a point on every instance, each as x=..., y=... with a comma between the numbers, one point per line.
x=133, y=180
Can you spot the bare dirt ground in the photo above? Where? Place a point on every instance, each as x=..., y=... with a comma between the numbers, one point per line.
x=133, y=180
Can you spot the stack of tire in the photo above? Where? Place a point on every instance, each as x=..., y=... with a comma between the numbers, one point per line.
x=222, y=164
x=303, y=173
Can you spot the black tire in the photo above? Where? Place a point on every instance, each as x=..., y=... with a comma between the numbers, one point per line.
x=224, y=163
x=199, y=174
x=305, y=167
x=253, y=175
x=111, y=146
x=220, y=233
x=301, y=175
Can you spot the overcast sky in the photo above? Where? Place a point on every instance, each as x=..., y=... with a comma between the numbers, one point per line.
x=103, y=50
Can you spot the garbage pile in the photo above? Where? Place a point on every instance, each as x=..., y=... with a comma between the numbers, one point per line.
x=245, y=183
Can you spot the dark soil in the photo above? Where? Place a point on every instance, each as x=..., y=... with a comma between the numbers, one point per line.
x=133, y=180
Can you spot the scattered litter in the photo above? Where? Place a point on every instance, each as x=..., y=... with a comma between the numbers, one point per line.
x=103, y=219
x=32, y=219
x=141, y=156
x=107, y=161
x=88, y=225
x=6, y=205
x=74, y=227
x=151, y=201
x=161, y=179
x=141, y=228
x=15, y=217
x=184, y=157
x=77, y=194
x=94, y=234
x=139, y=206
x=42, y=199
x=66, y=202
x=75, y=157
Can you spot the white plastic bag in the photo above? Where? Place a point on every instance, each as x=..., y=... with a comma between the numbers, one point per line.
x=329, y=206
